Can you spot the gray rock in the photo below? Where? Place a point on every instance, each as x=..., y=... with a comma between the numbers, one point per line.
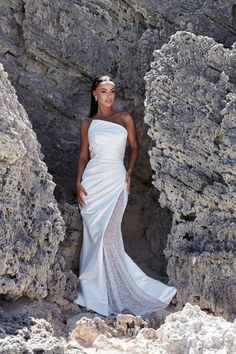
x=71, y=245
x=31, y=224
x=193, y=331
x=38, y=339
x=52, y=50
x=190, y=107
x=189, y=330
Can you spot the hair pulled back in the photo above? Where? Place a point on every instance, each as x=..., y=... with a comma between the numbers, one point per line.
x=95, y=83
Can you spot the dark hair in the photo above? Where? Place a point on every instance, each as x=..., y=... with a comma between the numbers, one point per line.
x=94, y=103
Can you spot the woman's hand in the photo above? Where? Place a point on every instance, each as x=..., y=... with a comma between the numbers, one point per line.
x=128, y=180
x=80, y=192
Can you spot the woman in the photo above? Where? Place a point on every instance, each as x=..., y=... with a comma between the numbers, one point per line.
x=109, y=280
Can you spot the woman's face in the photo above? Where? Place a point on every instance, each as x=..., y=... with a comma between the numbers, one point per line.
x=105, y=93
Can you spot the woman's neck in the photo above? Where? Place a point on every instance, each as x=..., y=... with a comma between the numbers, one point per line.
x=105, y=113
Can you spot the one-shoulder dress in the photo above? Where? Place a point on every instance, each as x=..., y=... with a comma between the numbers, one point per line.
x=109, y=280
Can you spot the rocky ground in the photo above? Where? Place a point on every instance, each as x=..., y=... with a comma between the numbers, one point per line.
x=39, y=327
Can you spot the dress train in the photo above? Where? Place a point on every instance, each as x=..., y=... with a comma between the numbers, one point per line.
x=109, y=280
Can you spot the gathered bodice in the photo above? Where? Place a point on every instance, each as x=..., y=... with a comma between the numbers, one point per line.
x=109, y=280
x=107, y=140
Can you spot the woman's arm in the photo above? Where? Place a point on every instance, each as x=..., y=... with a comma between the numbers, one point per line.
x=134, y=146
x=82, y=160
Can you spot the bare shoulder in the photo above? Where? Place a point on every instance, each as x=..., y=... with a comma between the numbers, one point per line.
x=127, y=118
x=85, y=123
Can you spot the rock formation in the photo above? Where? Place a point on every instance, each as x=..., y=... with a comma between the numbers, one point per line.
x=31, y=224
x=191, y=109
x=188, y=331
x=53, y=49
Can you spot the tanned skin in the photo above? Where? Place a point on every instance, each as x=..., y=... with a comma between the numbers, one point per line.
x=105, y=93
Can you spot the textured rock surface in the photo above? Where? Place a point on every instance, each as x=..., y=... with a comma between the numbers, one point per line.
x=71, y=244
x=52, y=50
x=191, y=109
x=121, y=325
x=88, y=330
x=193, y=331
x=38, y=327
x=31, y=224
x=188, y=331
x=39, y=338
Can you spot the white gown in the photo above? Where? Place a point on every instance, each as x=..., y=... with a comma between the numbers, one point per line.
x=109, y=280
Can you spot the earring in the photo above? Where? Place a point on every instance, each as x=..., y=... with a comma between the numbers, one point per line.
x=95, y=98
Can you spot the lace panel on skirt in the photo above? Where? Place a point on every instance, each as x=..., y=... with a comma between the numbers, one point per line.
x=123, y=292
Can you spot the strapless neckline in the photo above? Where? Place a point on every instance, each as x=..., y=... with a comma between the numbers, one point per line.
x=109, y=280
x=108, y=121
